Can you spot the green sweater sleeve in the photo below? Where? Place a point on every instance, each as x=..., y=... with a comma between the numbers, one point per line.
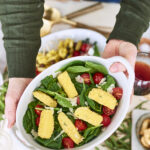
x=132, y=20
x=21, y=22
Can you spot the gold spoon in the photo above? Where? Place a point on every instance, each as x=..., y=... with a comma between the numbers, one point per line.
x=52, y=16
x=53, y=13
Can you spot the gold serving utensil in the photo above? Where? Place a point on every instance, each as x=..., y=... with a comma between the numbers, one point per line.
x=53, y=16
x=48, y=13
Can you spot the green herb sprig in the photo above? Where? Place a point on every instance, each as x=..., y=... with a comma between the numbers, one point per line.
x=3, y=90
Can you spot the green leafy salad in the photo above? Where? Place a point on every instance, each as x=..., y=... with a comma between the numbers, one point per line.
x=71, y=109
x=3, y=90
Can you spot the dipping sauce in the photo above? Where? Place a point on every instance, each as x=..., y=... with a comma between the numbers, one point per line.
x=142, y=71
x=142, y=74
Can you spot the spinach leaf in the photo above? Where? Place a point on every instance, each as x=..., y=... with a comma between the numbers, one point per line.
x=51, y=93
x=78, y=69
x=90, y=133
x=78, y=86
x=50, y=83
x=91, y=78
x=82, y=96
x=27, y=121
x=62, y=93
x=71, y=118
x=56, y=124
x=96, y=50
x=30, y=117
x=64, y=135
x=94, y=134
x=62, y=101
x=73, y=63
x=110, y=80
x=73, y=75
x=96, y=67
x=46, y=91
x=51, y=143
x=93, y=105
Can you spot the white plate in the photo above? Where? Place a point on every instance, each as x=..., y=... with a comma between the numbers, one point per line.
x=51, y=41
x=123, y=82
x=136, y=114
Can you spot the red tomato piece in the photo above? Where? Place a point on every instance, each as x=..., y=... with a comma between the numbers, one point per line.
x=67, y=142
x=86, y=78
x=80, y=125
x=107, y=111
x=78, y=100
x=37, y=121
x=97, y=77
x=106, y=120
x=85, y=47
x=38, y=112
x=76, y=53
x=117, y=92
x=37, y=72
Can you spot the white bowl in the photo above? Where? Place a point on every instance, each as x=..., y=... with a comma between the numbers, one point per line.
x=123, y=82
x=51, y=41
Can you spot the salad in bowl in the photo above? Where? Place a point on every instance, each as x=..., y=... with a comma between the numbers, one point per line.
x=76, y=103
x=68, y=43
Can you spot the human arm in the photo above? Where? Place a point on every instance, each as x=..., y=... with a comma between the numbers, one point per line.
x=132, y=20
x=21, y=22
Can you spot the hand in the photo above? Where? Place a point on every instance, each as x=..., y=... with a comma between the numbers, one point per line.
x=120, y=48
x=15, y=89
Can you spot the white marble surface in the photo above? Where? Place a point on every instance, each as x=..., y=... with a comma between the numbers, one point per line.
x=104, y=17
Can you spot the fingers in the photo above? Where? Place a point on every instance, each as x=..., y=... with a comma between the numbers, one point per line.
x=109, y=51
x=129, y=52
x=111, y=48
x=117, y=67
x=10, y=110
x=120, y=48
x=15, y=89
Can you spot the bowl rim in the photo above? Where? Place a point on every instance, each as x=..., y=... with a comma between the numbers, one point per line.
x=101, y=39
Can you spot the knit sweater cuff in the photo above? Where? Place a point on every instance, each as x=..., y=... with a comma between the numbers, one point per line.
x=21, y=23
x=21, y=63
x=130, y=22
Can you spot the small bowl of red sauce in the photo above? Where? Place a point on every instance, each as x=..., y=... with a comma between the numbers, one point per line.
x=142, y=74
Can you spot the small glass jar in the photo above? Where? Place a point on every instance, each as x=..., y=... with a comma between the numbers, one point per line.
x=142, y=74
